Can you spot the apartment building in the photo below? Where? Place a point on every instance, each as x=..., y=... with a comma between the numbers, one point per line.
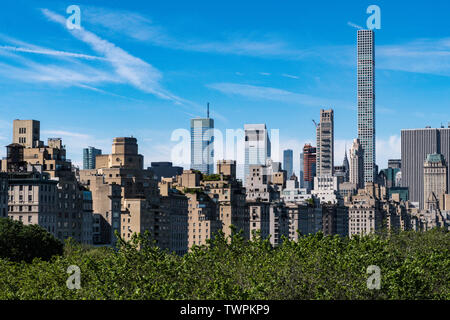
x=33, y=199
x=203, y=218
x=229, y=193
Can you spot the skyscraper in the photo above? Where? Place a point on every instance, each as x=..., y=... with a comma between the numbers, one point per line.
x=257, y=146
x=416, y=145
x=288, y=162
x=202, y=144
x=435, y=178
x=309, y=165
x=302, y=172
x=89, y=155
x=325, y=143
x=366, y=100
x=357, y=164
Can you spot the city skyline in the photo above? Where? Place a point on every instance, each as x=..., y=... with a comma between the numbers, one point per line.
x=248, y=75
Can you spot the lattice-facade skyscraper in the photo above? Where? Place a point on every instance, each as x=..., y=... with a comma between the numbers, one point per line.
x=366, y=100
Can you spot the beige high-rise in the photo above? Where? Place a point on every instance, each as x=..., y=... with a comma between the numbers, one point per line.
x=435, y=178
x=26, y=133
x=357, y=164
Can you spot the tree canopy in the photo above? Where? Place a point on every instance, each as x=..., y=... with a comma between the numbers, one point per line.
x=413, y=265
x=19, y=242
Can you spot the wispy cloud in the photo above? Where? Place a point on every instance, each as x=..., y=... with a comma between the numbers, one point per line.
x=420, y=56
x=264, y=73
x=273, y=94
x=62, y=133
x=290, y=76
x=135, y=71
x=52, y=52
x=141, y=28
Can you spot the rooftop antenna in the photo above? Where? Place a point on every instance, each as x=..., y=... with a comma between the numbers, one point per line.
x=207, y=110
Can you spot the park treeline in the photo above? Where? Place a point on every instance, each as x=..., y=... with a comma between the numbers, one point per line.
x=413, y=265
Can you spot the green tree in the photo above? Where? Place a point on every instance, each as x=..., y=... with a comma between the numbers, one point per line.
x=19, y=242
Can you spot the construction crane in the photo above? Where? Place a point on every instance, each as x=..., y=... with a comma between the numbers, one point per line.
x=314, y=122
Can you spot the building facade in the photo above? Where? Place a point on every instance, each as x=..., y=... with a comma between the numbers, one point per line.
x=33, y=199
x=435, y=178
x=89, y=155
x=27, y=133
x=309, y=165
x=164, y=170
x=325, y=144
x=202, y=145
x=288, y=162
x=416, y=145
x=356, y=175
x=257, y=146
x=366, y=100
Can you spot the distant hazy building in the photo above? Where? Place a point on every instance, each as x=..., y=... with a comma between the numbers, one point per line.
x=326, y=189
x=395, y=163
x=401, y=192
x=325, y=144
x=164, y=170
x=435, y=178
x=202, y=144
x=301, y=176
x=288, y=162
x=366, y=99
x=257, y=146
x=293, y=193
x=416, y=145
x=309, y=165
x=89, y=155
x=388, y=177
x=357, y=164
x=343, y=172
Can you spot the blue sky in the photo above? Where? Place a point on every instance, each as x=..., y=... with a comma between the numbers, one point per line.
x=144, y=68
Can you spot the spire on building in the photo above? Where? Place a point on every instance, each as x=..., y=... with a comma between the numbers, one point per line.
x=207, y=110
x=345, y=163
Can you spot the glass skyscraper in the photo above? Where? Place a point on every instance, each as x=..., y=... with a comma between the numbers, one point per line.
x=288, y=162
x=89, y=154
x=366, y=100
x=257, y=146
x=202, y=145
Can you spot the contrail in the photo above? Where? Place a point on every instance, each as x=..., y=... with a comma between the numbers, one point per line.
x=52, y=53
x=351, y=24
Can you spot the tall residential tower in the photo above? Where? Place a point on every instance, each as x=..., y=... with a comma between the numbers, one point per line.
x=288, y=162
x=257, y=146
x=366, y=100
x=202, y=144
x=325, y=143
